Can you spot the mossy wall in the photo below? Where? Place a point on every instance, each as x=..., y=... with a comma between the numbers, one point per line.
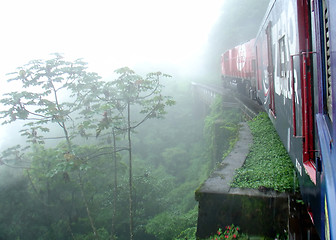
x=220, y=130
x=255, y=215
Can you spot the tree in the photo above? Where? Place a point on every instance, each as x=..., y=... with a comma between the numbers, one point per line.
x=52, y=92
x=131, y=91
x=62, y=93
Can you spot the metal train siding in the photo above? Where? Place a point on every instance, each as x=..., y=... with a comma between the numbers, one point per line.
x=293, y=72
x=238, y=65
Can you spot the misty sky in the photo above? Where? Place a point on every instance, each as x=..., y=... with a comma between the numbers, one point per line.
x=107, y=33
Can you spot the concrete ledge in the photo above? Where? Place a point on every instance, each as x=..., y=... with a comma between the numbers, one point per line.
x=256, y=216
x=257, y=212
x=220, y=179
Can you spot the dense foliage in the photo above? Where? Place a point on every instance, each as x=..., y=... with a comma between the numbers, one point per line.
x=68, y=180
x=78, y=185
x=268, y=164
x=221, y=131
x=220, y=134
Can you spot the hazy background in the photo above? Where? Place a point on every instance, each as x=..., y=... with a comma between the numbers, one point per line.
x=184, y=38
x=107, y=34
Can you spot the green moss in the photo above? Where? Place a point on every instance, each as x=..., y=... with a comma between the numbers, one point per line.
x=268, y=163
x=220, y=131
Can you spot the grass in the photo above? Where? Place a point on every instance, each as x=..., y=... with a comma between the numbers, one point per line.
x=268, y=163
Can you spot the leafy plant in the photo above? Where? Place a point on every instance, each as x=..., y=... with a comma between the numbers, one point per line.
x=169, y=225
x=267, y=165
x=146, y=93
x=189, y=234
x=220, y=131
x=230, y=232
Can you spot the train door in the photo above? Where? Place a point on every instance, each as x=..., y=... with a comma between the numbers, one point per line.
x=325, y=119
x=304, y=64
x=307, y=108
x=270, y=68
x=306, y=57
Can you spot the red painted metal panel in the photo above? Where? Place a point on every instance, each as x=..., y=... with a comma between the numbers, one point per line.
x=237, y=62
x=306, y=88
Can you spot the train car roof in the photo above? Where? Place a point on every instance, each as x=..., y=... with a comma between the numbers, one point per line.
x=242, y=43
x=267, y=13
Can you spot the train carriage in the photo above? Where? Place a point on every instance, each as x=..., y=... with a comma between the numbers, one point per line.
x=238, y=66
x=293, y=74
x=285, y=58
x=291, y=83
x=325, y=20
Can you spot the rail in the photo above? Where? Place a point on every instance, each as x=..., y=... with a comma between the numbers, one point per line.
x=207, y=93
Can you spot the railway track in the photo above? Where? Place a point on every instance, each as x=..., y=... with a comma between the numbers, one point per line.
x=249, y=107
x=233, y=99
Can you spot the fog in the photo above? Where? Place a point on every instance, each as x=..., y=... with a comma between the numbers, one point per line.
x=183, y=38
x=107, y=34
x=178, y=35
x=147, y=35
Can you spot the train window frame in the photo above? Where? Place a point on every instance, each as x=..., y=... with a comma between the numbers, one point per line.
x=254, y=66
x=270, y=68
x=327, y=79
x=258, y=75
x=282, y=72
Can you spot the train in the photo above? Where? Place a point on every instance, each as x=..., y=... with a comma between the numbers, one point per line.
x=290, y=68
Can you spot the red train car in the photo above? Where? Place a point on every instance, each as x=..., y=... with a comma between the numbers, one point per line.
x=238, y=66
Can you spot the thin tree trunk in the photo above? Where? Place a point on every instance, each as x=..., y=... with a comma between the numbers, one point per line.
x=62, y=124
x=70, y=230
x=113, y=233
x=130, y=169
x=94, y=230
x=87, y=207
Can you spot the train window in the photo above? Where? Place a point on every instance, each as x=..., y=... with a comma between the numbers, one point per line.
x=270, y=69
x=327, y=85
x=258, y=75
x=282, y=57
x=226, y=57
x=253, y=65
